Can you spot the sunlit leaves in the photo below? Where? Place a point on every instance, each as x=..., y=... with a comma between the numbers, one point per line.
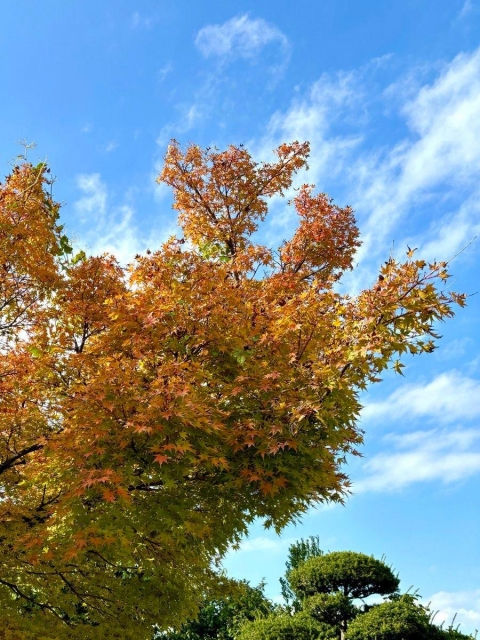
x=148, y=415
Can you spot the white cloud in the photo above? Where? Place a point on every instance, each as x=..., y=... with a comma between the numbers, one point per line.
x=94, y=200
x=163, y=72
x=435, y=160
x=452, y=233
x=111, y=228
x=111, y=146
x=190, y=116
x=239, y=37
x=445, y=117
x=449, y=397
x=138, y=21
x=422, y=456
x=335, y=98
x=440, y=152
x=262, y=543
x=456, y=348
x=312, y=117
x=437, y=157
x=463, y=605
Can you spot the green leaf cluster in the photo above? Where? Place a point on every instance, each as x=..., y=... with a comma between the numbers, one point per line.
x=287, y=627
x=328, y=587
x=401, y=618
x=220, y=618
x=356, y=575
x=298, y=552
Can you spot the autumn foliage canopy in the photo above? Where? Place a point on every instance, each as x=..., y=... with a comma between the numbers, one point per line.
x=148, y=414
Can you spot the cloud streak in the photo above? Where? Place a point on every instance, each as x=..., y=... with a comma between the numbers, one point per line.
x=435, y=159
x=448, y=398
x=466, y=9
x=261, y=543
x=422, y=456
x=439, y=153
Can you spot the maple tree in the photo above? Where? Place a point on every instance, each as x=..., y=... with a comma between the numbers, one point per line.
x=149, y=414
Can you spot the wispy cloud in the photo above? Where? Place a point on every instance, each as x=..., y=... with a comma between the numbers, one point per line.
x=436, y=158
x=461, y=606
x=453, y=232
x=456, y=348
x=138, y=21
x=466, y=9
x=111, y=228
x=332, y=114
x=94, y=199
x=164, y=71
x=190, y=116
x=444, y=115
x=313, y=116
x=240, y=37
x=111, y=146
x=448, y=398
x=422, y=456
x=262, y=543
x=440, y=152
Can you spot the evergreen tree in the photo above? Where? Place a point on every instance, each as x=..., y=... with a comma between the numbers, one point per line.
x=298, y=552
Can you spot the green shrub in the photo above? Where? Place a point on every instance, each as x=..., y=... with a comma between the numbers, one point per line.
x=287, y=627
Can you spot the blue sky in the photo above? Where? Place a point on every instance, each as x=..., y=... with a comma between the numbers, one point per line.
x=388, y=93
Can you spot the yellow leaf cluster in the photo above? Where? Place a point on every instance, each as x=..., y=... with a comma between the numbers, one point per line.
x=149, y=414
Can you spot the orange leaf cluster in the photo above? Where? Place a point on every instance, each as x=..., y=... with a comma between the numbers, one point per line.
x=149, y=414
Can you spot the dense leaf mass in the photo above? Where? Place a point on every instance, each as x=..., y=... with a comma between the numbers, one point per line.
x=401, y=617
x=355, y=575
x=220, y=619
x=149, y=414
x=330, y=589
x=287, y=627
